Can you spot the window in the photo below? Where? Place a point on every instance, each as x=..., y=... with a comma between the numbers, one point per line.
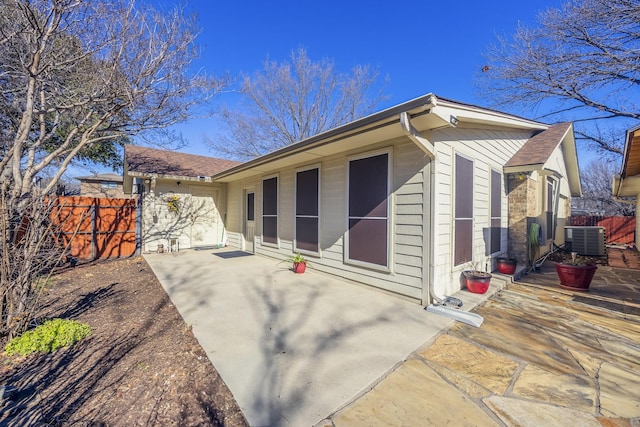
x=250, y=206
x=307, y=204
x=368, y=210
x=496, y=212
x=463, y=210
x=270, y=210
x=108, y=184
x=549, y=207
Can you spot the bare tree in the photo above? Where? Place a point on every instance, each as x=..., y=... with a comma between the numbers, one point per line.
x=291, y=101
x=597, y=198
x=77, y=77
x=581, y=63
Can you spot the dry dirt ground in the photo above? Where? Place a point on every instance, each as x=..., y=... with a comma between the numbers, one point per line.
x=141, y=366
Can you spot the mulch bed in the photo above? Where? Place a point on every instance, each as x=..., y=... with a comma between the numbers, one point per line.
x=141, y=365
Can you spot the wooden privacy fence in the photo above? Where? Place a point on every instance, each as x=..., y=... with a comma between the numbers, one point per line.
x=97, y=227
x=619, y=230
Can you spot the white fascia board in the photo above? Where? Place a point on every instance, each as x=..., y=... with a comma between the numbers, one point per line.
x=628, y=187
x=470, y=114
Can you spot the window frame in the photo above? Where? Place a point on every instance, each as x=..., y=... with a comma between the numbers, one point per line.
x=296, y=215
x=493, y=219
x=550, y=197
x=454, y=196
x=108, y=185
x=389, y=199
x=275, y=244
x=250, y=208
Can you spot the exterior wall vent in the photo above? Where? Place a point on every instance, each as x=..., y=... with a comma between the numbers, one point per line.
x=585, y=240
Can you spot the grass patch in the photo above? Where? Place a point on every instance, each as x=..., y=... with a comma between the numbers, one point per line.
x=48, y=337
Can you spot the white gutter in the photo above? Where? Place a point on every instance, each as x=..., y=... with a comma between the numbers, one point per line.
x=617, y=186
x=415, y=136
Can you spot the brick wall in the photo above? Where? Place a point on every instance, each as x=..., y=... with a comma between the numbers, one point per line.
x=522, y=202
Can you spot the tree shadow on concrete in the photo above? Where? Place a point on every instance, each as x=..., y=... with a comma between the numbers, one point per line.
x=285, y=346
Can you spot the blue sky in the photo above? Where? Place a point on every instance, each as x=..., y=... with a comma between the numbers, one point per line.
x=422, y=46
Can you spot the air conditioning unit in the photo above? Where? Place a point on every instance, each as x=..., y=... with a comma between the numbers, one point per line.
x=585, y=240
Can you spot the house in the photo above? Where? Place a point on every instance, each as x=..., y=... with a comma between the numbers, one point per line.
x=404, y=199
x=181, y=204
x=102, y=185
x=627, y=183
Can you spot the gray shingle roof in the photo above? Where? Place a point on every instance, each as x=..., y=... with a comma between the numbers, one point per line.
x=150, y=161
x=539, y=148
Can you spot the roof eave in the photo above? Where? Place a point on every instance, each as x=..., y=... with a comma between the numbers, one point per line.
x=445, y=112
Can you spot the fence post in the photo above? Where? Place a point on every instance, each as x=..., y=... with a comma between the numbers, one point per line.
x=139, y=219
x=93, y=229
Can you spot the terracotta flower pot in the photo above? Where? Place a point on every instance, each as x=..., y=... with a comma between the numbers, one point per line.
x=507, y=265
x=299, y=267
x=575, y=277
x=477, y=282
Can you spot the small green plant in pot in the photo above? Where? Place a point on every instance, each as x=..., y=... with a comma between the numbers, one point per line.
x=299, y=262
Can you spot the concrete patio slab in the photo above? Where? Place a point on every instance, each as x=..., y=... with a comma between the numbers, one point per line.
x=292, y=348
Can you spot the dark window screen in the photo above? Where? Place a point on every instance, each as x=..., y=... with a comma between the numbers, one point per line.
x=549, y=209
x=307, y=192
x=250, y=206
x=307, y=234
x=307, y=210
x=496, y=211
x=463, y=233
x=368, y=209
x=370, y=177
x=270, y=210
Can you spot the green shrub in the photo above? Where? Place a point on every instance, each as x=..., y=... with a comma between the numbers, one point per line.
x=48, y=337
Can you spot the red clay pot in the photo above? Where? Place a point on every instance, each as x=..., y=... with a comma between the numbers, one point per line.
x=299, y=267
x=477, y=284
x=575, y=277
x=507, y=265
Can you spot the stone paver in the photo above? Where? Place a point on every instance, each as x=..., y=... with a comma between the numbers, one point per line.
x=415, y=383
x=571, y=391
x=479, y=365
x=521, y=413
x=542, y=357
x=619, y=391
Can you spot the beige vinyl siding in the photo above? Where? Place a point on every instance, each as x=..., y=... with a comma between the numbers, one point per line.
x=332, y=208
x=488, y=148
x=235, y=214
x=159, y=224
x=407, y=220
x=556, y=163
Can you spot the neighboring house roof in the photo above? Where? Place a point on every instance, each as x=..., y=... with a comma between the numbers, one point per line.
x=144, y=162
x=537, y=151
x=103, y=177
x=627, y=184
x=152, y=161
x=425, y=112
x=631, y=160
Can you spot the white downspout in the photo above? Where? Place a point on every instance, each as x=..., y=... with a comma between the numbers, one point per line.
x=413, y=134
x=442, y=304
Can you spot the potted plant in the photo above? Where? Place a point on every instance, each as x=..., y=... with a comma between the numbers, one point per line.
x=476, y=280
x=299, y=262
x=575, y=275
x=506, y=265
